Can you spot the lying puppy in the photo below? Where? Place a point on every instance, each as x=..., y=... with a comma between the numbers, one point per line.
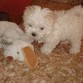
x=51, y=27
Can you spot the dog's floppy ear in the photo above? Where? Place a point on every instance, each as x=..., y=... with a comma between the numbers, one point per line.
x=50, y=17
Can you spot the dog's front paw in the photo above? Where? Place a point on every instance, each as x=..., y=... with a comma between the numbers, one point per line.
x=45, y=50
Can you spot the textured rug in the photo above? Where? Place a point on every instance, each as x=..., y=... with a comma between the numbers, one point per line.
x=58, y=67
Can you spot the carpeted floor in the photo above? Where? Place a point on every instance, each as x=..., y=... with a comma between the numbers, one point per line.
x=59, y=67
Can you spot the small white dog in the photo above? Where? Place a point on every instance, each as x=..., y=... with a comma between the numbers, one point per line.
x=51, y=27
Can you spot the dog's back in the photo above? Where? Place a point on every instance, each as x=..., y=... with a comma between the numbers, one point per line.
x=77, y=10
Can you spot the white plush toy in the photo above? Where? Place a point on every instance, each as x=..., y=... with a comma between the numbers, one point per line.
x=12, y=39
x=10, y=32
x=16, y=44
x=15, y=49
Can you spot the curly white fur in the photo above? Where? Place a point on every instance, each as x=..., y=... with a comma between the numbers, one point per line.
x=51, y=27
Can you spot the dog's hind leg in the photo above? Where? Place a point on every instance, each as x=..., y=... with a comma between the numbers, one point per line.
x=75, y=46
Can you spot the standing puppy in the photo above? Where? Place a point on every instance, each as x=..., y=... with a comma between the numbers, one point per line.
x=44, y=25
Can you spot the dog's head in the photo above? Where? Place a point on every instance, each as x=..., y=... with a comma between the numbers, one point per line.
x=38, y=22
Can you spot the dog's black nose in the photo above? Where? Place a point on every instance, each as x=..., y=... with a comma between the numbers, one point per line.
x=33, y=34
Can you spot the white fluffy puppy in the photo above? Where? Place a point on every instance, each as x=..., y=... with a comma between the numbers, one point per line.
x=50, y=27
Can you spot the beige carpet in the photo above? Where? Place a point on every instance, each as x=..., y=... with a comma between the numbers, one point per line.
x=59, y=67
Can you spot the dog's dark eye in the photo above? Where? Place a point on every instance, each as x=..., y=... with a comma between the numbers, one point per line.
x=41, y=28
x=30, y=25
x=17, y=52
